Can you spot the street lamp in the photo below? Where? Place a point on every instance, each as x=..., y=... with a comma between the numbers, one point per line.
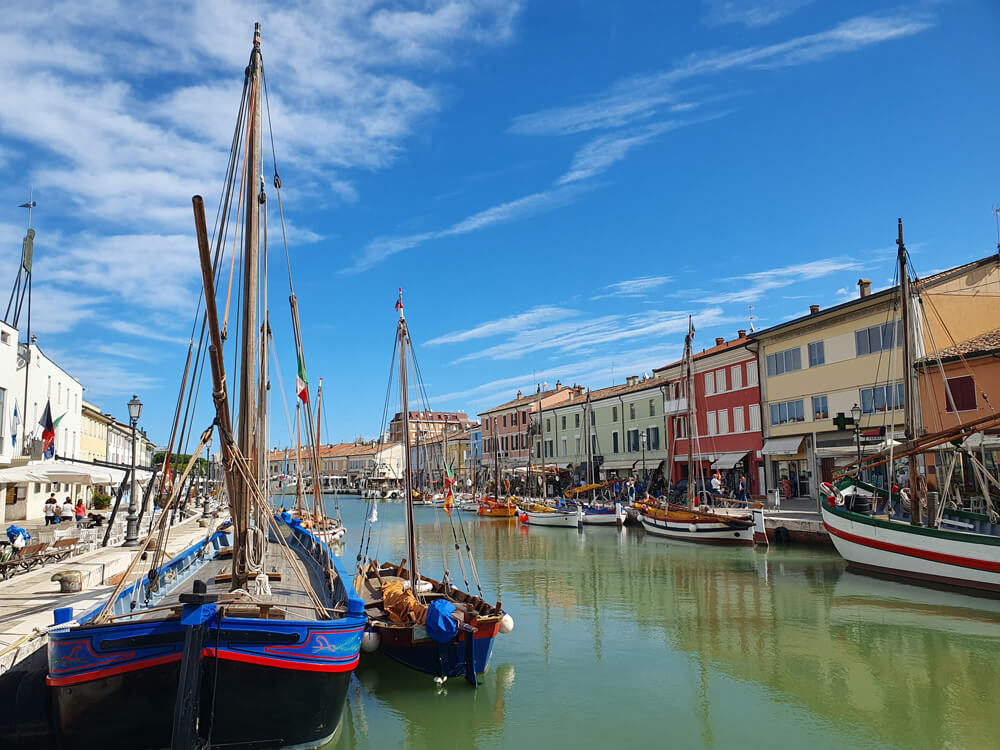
x=856, y=415
x=642, y=442
x=132, y=519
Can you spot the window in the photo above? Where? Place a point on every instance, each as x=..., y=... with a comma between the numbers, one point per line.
x=755, y=417
x=652, y=407
x=578, y=446
x=576, y=422
x=709, y=383
x=878, y=338
x=548, y=425
x=782, y=362
x=653, y=438
x=614, y=413
x=720, y=381
x=548, y=449
x=880, y=398
x=963, y=393
x=710, y=422
x=563, y=421
x=631, y=411
x=752, y=373
x=817, y=354
x=723, y=421
x=738, y=419
x=680, y=427
x=593, y=418
x=820, y=408
x=632, y=438
x=538, y=449
x=505, y=442
x=614, y=442
x=504, y=420
x=787, y=411
x=736, y=376
x=564, y=451
x=593, y=445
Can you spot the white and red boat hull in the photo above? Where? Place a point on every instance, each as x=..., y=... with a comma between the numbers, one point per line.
x=554, y=518
x=896, y=548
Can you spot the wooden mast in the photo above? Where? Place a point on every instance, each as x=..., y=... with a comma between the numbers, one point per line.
x=404, y=388
x=317, y=476
x=690, y=412
x=910, y=393
x=541, y=432
x=298, y=458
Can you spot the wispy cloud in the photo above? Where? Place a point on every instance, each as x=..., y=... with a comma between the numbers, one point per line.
x=134, y=329
x=753, y=286
x=533, y=317
x=640, y=98
x=633, y=287
x=382, y=248
x=750, y=13
x=577, y=335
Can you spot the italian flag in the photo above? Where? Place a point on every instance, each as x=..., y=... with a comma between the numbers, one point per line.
x=449, y=498
x=302, y=382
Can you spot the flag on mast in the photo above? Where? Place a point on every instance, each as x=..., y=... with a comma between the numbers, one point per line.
x=449, y=498
x=302, y=382
x=48, y=432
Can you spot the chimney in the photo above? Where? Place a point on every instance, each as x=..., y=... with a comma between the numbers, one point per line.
x=865, y=287
x=558, y=384
x=631, y=380
x=719, y=341
x=519, y=393
x=741, y=334
x=813, y=309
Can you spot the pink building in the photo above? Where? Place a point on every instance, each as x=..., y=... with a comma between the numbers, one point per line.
x=506, y=427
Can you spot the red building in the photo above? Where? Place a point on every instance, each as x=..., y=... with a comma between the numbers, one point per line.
x=505, y=427
x=727, y=400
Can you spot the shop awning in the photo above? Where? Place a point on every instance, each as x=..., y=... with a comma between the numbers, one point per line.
x=628, y=463
x=786, y=446
x=68, y=473
x=682, y=458
x=729, y=460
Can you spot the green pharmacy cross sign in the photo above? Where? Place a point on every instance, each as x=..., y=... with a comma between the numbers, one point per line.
x=842, y=421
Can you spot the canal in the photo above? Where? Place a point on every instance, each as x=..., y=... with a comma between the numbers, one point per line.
x=624, y=640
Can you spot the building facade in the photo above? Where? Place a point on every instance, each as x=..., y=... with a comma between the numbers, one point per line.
x=507, y=432
x=93, y=432
x=819, y=365
x=425, y=425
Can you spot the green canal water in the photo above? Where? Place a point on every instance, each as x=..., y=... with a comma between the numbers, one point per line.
x=625, y=640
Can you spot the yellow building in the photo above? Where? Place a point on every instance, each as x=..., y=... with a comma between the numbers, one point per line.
x=93, y=432
x=828, y=361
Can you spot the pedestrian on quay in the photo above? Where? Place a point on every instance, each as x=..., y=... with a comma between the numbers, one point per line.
x=80, y=511
x=716, y=484
x=67, y=511
x=741, y=492
x=51, y=509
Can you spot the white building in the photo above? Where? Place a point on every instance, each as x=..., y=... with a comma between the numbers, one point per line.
x=49, y=383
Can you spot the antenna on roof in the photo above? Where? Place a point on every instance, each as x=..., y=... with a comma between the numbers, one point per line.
x=750, y=317
x=612, y=372
x=996, y=215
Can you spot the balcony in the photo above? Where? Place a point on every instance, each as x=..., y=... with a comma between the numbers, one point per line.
x=675, y=406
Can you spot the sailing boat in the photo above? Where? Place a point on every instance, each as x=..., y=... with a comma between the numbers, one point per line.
x=955, y=547
x=256, y=651
x=428, y=625
x=689, y=523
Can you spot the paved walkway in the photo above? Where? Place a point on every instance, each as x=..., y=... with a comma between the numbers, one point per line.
x=27, y=600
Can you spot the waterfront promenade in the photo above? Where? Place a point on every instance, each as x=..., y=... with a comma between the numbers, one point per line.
x=27, y=600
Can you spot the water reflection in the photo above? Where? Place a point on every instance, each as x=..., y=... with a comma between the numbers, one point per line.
x=779, y=645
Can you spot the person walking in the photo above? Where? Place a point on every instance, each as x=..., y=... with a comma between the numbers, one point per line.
x=741, y=492
x=51, y=509
x=67, y=511
x=80, y=511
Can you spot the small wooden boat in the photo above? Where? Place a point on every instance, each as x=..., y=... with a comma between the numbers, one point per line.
x=678, y=522
x=541, y=515
x=603, y=516
x=490, y=508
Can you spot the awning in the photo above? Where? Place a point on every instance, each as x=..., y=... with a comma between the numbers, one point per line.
x=628, y=463
x=729, y=460
x=67, y=472
x=786, y=446
x=682, y=458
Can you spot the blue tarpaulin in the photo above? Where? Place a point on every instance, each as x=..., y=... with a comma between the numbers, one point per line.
x=441, y=626
x=13, y=531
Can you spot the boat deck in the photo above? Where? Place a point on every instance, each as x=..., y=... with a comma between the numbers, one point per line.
x=288, y=598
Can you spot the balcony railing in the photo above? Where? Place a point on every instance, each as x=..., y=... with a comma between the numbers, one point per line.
x=675, y=406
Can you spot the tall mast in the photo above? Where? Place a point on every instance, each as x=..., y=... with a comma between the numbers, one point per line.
x=246, y=437
x=298, y=458
x=690, y=412
x=910, y=394
x=404, y=388
x=317, y=476
x=541, y=432
x=586, y=436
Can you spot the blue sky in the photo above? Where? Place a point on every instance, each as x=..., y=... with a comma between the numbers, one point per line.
x=556, y=185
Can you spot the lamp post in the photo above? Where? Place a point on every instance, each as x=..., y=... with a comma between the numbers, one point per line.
x=856, y=415
x=132, y=519
x=642, y=442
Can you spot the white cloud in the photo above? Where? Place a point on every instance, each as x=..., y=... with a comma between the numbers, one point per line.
x=640, y=98
x=753, y=286
x=534, y=316
x=750, y=13
x=134, y=329
x=382, y=248
x=633, y=287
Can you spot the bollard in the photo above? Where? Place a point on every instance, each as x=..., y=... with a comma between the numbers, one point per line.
x=70, y=581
